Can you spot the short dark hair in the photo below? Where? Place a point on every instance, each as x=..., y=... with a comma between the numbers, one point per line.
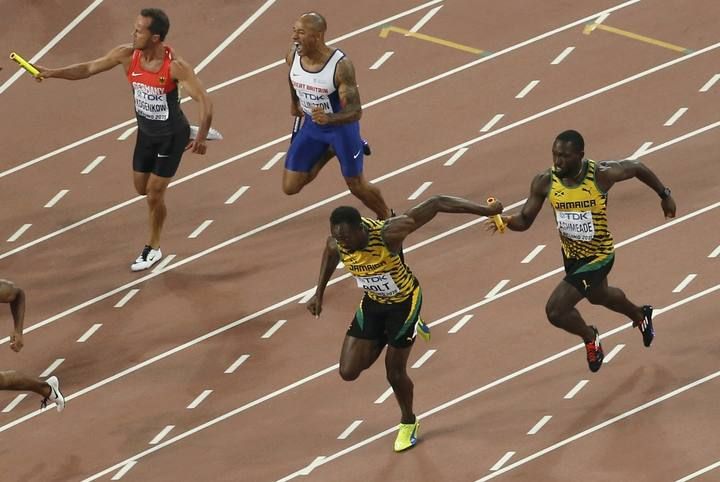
x=160, y=24
x=317, y=22
x=574, y=138
x=346, y=214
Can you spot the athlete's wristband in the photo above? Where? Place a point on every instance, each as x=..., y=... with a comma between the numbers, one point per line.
x=665, y=193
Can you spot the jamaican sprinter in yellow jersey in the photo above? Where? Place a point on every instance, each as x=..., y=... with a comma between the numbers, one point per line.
x=577, y=190
x=389, y=313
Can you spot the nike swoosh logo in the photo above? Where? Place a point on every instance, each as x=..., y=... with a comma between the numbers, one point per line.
x=296, y=75
x=357, y=154
x=136, y=74
x=163, y=155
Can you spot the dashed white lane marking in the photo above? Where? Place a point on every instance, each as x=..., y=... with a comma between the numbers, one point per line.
x=497, y=288
x=562, y=55
x=384, y=396
x=312, y=466
x=199, y=399
x=715, y=253
x=119, y=475
x=708, y=85
x=127, y=133
x=88, y=169
x=683, y=284
x=53, y=366
x=164, y=262
x=458, y=154
x=198, y=231
x=616, y=349
x=306, y=297
x=641, y=150
x=237, y=194
x=491, y=123
x=89, y=333
x=272, y=161
x=456, y=327
x=237, y=363
x=128, y=296
x=351, y=428
x=503, y=460
x=19, y=233
x=14, y=403
x=383, y=58
x=536, y=428
x=426, y=356
x=526, y=90
x=162, y=434
x=533, y=253
x=420, y=190
x=426, y=18
x=597, y=22
x=700, y=472
x=575, y=389
x=274, y=328
x=678, y=114
x=56, y=198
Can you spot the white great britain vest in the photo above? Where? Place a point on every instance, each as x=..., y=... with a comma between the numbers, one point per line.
x=317, y=89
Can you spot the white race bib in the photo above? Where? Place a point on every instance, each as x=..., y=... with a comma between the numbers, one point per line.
x=576, y=225
x=151, y=102
x=380, y=284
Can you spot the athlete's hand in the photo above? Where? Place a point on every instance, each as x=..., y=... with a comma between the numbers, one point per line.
x=314, y=306
x=319, y=116
x=295, y=110
x=492, y=227
x=668, y=207
x=45, y=73
x=495, y=207
x=197, y=146
x=16, y=342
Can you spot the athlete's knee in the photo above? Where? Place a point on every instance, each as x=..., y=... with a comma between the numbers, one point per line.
x=349, y=373
x=396, y=375
x=155, y=196
x=554, y=313
x=357, y=185
x=291, y=188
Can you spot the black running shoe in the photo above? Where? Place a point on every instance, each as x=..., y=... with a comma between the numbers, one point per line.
x=366, y=148
x=595, y=353
x=646, y=326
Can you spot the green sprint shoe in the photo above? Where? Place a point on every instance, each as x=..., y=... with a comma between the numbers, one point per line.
x=407, y=436
x=422, y=329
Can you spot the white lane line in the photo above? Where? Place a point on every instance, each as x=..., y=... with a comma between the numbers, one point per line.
x=597, y=22
x=604, y=424
x=57, y=38
x=126, y=298
x=225, y=43
x=274, y=328
x=306, y=297
x=492, y=122
x=19, y=233
x=562, y=55
x=199, y=399
x=89, y=333
x=88, y=169
x=714, y=253
x=56, y=198
x=503, y=460
x=574, y=391
x=351, y=428
x=616, y=349
x=640, y=151
x=678, y=114
x=420, y=190
x=127, y=133
x=53, y=366
x=237, y=363
x=163, y=262
x=383, y=58
x=385, y=395
x=237, y=194
x=683, y=284
x=14, y=403
x=425, y=19
x=162, y=434
x=526, y=90
x=497, y=288
x=536, y=428
x=708, y=85
x=700, y=472
x=421, y=361
x=531, y=255
x=458, y=154
x=456, y=327
x=124, y=470
x=198, y=231
x=307, y=470
x=272, y=161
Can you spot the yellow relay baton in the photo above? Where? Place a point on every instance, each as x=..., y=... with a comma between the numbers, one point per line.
x=24, y=64
x=499, y=224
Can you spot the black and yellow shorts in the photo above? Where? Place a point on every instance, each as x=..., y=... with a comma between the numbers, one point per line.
x=584, y=273
x=391, y=323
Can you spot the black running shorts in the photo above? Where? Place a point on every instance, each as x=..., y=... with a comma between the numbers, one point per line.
x=393, y=324
x=584, y=273
x=160, y=155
